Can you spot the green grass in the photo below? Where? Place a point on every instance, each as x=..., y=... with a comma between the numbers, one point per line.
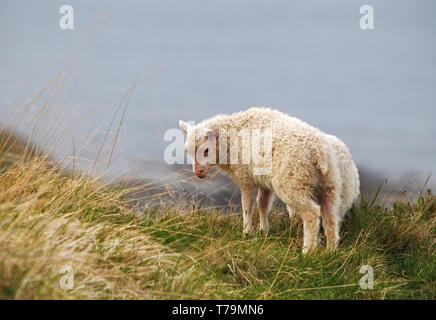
x=48, y=220
x=398, y=244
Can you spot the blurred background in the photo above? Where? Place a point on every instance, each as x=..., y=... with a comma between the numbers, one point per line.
x=375, y=89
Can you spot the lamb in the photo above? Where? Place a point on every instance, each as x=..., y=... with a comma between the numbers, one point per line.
x=304, y=170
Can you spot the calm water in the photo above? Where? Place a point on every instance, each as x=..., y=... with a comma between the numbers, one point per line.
x=374, y=89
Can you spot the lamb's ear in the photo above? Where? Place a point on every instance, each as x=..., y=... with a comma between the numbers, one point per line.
x=184, y=126
x=211, y=133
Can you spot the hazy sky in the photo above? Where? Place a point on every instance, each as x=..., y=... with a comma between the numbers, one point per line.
x=375, y=89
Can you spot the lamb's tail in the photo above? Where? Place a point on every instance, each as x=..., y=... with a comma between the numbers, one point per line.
x=326, y=158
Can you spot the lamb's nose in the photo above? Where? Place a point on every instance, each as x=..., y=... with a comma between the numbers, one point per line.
x=200, y=173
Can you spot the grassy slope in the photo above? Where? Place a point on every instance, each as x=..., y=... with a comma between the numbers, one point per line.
x=48, y=220
x=13, y=148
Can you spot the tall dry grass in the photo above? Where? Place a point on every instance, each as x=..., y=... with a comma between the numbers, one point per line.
x=48, y=221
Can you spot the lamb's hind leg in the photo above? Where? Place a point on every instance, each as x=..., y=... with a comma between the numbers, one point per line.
x=264, y=199
x=330, y=222
x=310, y=214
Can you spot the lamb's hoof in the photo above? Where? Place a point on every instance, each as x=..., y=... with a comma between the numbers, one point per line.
x=247, y=233
x=265, y=232
x=307, y=250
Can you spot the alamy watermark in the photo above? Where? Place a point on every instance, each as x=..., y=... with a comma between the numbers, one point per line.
x=66, y=282
x=66, y=21
x=367, y=281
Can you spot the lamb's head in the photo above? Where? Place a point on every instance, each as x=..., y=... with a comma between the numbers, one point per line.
x=201, y=146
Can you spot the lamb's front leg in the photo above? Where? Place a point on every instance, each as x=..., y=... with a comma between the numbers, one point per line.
x=248, y=205
x=264, y=199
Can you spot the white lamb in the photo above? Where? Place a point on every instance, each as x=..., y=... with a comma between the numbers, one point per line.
x=303, y=167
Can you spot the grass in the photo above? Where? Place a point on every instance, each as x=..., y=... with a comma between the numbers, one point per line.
x=49, y=220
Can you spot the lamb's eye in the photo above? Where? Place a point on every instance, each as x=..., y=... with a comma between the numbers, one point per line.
x=206, y=152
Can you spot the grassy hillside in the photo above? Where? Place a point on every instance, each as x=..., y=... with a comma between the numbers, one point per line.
x=48, y=221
